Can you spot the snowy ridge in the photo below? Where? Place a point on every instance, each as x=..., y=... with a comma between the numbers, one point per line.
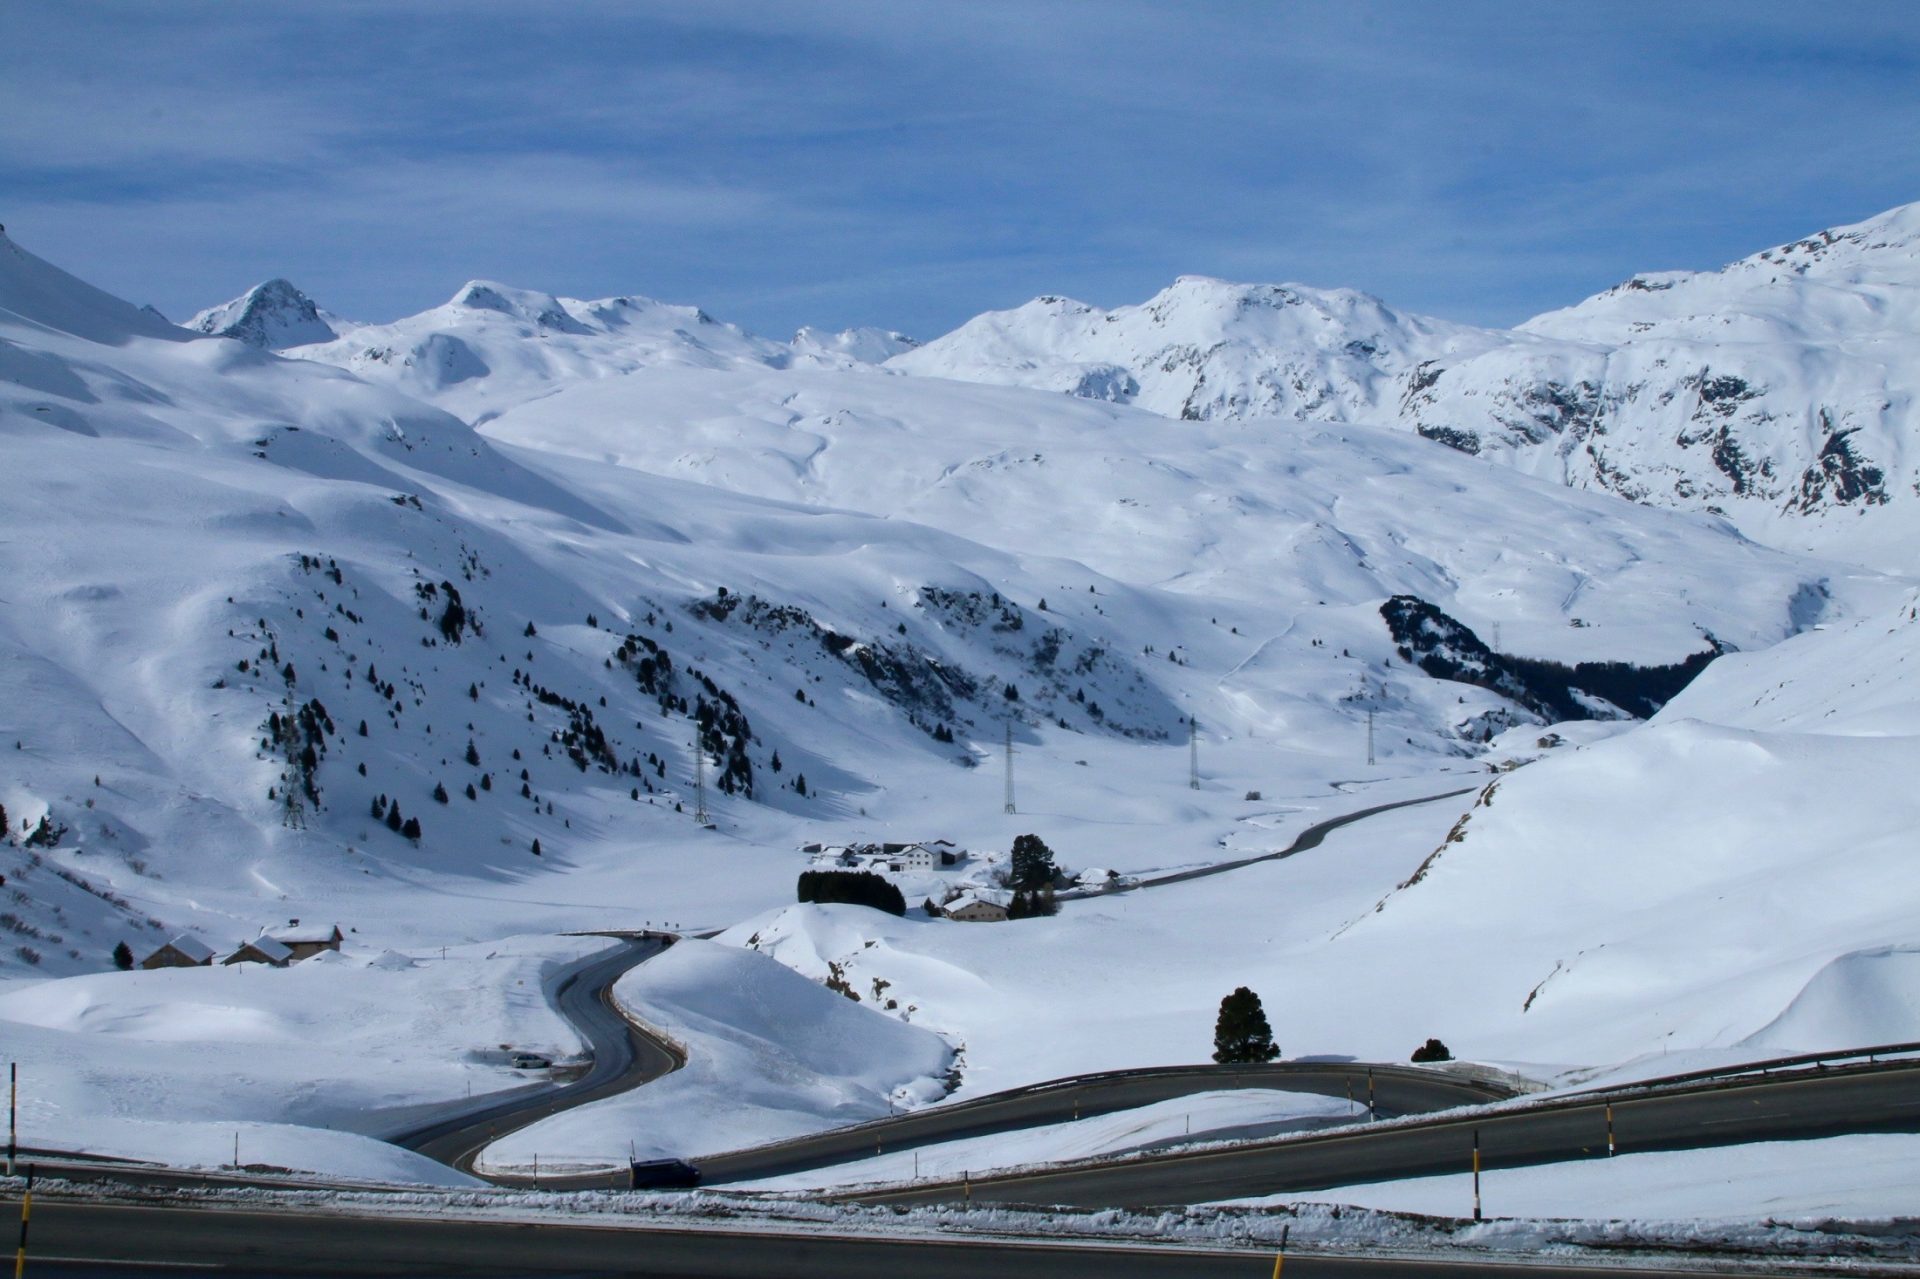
x=273, y=316
x=1780, y=391
x=1204, y=349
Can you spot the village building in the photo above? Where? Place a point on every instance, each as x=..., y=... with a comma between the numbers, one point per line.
x=905, y=857
x=184, y=951
x=305, y=942
x=981, y=906
x=261, y=950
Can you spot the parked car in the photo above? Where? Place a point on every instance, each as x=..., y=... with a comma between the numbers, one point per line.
x=531, y=1061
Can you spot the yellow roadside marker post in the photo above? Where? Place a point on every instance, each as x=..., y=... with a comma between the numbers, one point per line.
x=1476, y=1174
x=1281, y=1257
x=26, y=1214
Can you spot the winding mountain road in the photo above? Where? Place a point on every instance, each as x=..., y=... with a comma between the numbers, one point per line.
x=1312, y=837
x=624, y=1057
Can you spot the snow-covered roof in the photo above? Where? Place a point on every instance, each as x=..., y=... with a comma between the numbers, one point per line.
x=980, y=896
x=303, y=934
x=267, y=948
x=192, y=947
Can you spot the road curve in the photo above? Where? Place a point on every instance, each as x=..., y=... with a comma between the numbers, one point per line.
x=624, y=1057
x=1312, y=837
x=1397, y=1090
x=77, y=1237
x=1821, y=1102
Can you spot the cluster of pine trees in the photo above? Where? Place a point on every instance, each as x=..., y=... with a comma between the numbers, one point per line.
x=857, y=887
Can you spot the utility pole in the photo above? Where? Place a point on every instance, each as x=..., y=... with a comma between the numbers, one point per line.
x=1193, y=753
x=1010, y=766
x=13, y=1112
x=1496, y=637
x=1369, y=736
x=699, y=781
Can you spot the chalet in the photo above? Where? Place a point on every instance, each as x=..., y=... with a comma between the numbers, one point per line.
x=905, y=857
x=305, y=942
x=981, y=906
x=261, y=950
x=184, y=951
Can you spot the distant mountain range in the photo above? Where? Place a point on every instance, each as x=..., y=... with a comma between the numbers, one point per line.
x=1779, y=391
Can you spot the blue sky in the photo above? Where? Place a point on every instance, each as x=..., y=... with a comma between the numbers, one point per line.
x=908, y=164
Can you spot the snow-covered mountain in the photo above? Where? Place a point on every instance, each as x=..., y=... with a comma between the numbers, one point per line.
x=1205, y=349
x=858, y=345
x=453, y=644
x=492, y=346
x=1780, y=390
x=273, y=316
x=847, y=586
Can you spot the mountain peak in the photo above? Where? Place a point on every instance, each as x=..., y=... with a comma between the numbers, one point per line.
x=528, y=305
x=272, y=315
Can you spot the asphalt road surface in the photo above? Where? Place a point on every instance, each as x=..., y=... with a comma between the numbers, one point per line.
x=1312, y=837
x=74, y=1238
x=623, y=1057
x=1816, y=1103
x=1398, y=1090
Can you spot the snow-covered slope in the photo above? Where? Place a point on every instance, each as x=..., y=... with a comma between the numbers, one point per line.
x=849, y=586
x=1732, y=874
x=1206, y=348
x=856, y=346
x=273, y=316
x=490, y=346
x=1780, y=390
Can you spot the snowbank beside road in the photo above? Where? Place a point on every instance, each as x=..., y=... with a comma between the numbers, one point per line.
x=1853, y=1177
x=770, y=1055
x=1241, y=1114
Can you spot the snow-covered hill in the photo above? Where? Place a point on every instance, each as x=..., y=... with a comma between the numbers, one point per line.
x=849, y=587
x=491, y=346
x=1205, y=348
x=446, y=643
x=1780, y=390
x=274, y=315
x=1730, y=876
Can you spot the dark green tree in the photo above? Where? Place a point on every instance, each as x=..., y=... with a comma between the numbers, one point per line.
x=1433, y=1050
x=411, y=829
x=1242, y=1034
x=122, y=956
x=1032, y=863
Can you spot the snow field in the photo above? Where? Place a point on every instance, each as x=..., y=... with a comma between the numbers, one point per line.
x=165, y=1064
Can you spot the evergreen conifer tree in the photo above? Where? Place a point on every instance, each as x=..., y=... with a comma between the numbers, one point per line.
x=1032, y=863
x=1242, y=1034
x=122, y=956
